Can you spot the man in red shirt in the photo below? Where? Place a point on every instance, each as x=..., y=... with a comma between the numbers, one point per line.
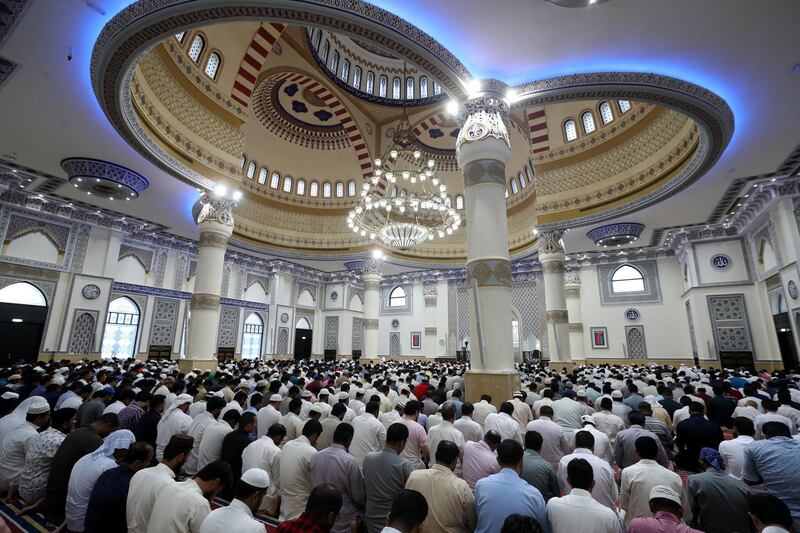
x=321, y=512
x=421, y=390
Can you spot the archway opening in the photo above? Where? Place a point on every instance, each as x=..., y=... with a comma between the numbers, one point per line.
x=23, y=314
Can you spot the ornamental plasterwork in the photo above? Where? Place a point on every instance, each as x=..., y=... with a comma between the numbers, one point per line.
x=372, y=267
x=550, y=241
x=486, y=117
x=215, y=209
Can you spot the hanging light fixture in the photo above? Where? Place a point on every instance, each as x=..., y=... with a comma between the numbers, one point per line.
x=404, y=203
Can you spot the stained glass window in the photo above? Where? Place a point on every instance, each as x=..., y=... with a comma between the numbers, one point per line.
x=212, y=65
x=370, y=88
x=275, y=180
x=287, y=184
x=262, y=175
x=335, y=61
x=396, y=88
x=514, y=188
x=198, y=43
x=357, y=77
x=588, y=122
x=409, y=88
x=437, y=89
x=122, y=324
x=459, y=202
x=253, y=337
x=423, y=87
x=345, y=70
x=570, y=130
x=351, y=188
x=251, y=169
x=383, y=86
x=339, y=189
x=605, y=112
x=313, y=189
x=624, y=106
x=326, y=190
x=301, y=187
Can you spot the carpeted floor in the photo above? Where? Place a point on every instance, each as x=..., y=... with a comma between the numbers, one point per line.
x=36, y=522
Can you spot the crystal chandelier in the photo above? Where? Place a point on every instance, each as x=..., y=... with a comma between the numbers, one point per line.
x=404, y=203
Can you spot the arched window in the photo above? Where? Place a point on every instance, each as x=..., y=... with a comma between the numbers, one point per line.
x=605, y=112
x=345, y=70
x=529, y=173
x=339, y=189
x=588, y=122
x=302, y=323
x=317, y=38
x=522, y=181
x=325, y=49
x=437, y=89
x=262, y=175
x=448, y=201
x=627, y=279
x=301, y=187
x=396, y=88
x=357, y=77
x=122, y=324
x=370, y=88
x=394, y=191
x=506, y=194
x=570, y=130
x=403, y=193
x=180, y=36
x=212, y=65
x=624, y=106
x=459, y=201
x=382, y=86
x=313, y=189
x=423, y=86
x=244, y=161
x=335, y=61
x=275, y=180
x=251, y=169
x=514, y=187
x=766, y=256
x=397, y=297
x=409, y=88
x=253, y=336
x=196, y=50
x=287, y=184
x=326, y=189
x=351, y=188
x=22, y=294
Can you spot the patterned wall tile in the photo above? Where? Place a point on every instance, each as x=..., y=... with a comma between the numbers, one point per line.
x=395, y=347
x=635, y=339
x=228, y=327
x=165, y=316
x=331, y=332
x=282, y=346
x=82, y=334
x=358, y=333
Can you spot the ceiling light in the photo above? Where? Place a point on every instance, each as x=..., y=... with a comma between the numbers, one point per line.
x=452, y=108
x=473, y=86
x=16, y=320
x=220, y=190
x=237, y=195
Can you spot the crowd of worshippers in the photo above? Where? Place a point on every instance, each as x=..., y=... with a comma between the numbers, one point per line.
x=114, y=446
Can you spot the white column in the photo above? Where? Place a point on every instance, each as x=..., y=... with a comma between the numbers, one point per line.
x=430, y=294
x=551, y=255
x=216, y=226
x=112, y=253
x=781, y=213
x=482, y=149
x=371, y=276
x=572, y=288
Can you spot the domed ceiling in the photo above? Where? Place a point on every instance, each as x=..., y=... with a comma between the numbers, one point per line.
x=295, y=116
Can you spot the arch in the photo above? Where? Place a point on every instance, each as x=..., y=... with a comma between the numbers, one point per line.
x=197, y=47
x=82, y=336
x=302, y=323
x=766, y=256
x=587, y=119
x=287, y=184
x=326, y=189
x=356, y=303
x=335, y=62
x=351, y=188
x=213, y=64
x=396, y=88
x=255, y=56
x=262, y=175
x=423, y=86
x=409, y=88
x=383, y=86
x=339, y=189
x=256, y=292
x=300, y=188
x=326, y=48
x=305, y=298
x=522, y=182
x=570, y=130
x=357, y=77
x=275, y=179
x=34, y=244
x=252, y=336
x=23, y=293
x=437, y=89
x=121, y=328
x=627, y=278
x=345, y=75
x=313, y=189
x=606, y=115
x=459, y=201
x=251, y=169
x=514, y=187
x=624, y=106
x=131, y=269
x=397, y=297
x=317, y=38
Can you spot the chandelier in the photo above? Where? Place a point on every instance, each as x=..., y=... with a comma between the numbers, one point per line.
x=404, y=203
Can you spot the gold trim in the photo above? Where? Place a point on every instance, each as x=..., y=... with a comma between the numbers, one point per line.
x=204, y=302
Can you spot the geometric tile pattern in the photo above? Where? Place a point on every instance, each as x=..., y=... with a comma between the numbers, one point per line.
x=254, y=57
x=331, y=332
x=228, y=326
x=394, y=344
x=358, y=332
x=282, y=347
x=635, y=338
x=527, y=297
x=82, y=336
x=165, y=316
x=729, y=323
x=537, y=128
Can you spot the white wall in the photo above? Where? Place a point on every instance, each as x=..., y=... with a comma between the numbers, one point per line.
x=130, y=270
x=35, y=246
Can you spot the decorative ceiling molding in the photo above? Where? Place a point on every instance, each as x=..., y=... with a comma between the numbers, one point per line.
x=102, y=178
x=7, y=69
x=11, y=12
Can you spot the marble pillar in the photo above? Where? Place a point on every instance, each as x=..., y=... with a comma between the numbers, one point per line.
x=371, y=276
x=430, y=294
x=215, y=223
x=551, y=256
x=572, y=288
x=482, y=149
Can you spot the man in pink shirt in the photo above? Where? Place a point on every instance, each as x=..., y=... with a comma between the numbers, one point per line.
x=416, y=450
x=667, y=510
x=479, y=459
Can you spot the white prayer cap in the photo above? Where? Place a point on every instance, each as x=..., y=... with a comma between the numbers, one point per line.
x=360, y=392
x=324, y=392
x=517, y=394
x=665, y=493
x=81, y=381
x=306, y=394
x=10, y=395
x=97, y=386
x=38, y=369
x=256, y=477
x=316, y=409
x=276, y=398
x=344, y=396
x=587, y=419
x=182, y=399
x=162, y=376
x=616, y=394
x=38, y=406
x=581, y=393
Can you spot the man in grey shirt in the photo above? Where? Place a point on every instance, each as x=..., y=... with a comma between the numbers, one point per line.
x=385, y=476
x=718, y=501
x=536, y=470
x=90, y=411
x=625, y=447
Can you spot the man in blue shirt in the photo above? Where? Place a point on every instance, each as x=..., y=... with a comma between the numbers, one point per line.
x=775, y=462
x=493, y=494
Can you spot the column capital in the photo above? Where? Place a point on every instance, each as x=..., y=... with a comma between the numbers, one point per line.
x=550, y=242
x=483, y=134
x=372, y=267
x=216, y=209
x=572, y=279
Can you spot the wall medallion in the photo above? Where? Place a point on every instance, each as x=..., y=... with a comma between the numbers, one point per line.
x=720, y=262
x=395, y=323
x=334, y=295
x=91, y=291
x=792, y=288
x=632, y=314
x=284, y=317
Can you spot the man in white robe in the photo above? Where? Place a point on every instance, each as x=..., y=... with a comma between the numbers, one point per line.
x=174, y=422
x=265, y=454
x=296, y=471
x=269, y=415
x=199, y=425
x=238, y=516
